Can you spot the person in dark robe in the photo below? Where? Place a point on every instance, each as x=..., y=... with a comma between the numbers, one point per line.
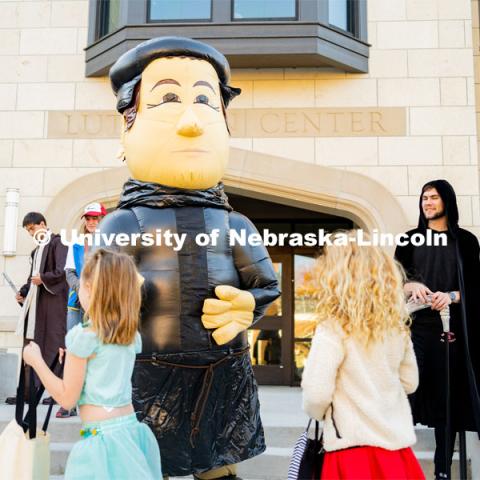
x=444, y=275
x=44, y=296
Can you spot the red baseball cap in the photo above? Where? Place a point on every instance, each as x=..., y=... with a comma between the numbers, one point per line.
x=94, y=210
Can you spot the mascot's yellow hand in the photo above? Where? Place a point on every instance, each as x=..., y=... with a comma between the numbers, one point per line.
x=230, y=314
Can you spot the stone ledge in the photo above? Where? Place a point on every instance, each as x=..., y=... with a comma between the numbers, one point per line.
x=8, y=324
x=8, y=369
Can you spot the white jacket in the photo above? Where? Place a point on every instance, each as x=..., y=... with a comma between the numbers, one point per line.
x=367, y=387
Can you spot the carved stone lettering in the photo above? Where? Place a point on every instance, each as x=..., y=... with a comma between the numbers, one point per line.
x=252, y=122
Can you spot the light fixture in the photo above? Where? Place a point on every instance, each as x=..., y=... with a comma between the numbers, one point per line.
x=10, y=224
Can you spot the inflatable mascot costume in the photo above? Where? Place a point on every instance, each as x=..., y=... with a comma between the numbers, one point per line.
x=193, y=384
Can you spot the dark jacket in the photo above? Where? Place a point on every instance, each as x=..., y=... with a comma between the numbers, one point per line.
x=180, y=362
x=50, y=326
x=464, y=353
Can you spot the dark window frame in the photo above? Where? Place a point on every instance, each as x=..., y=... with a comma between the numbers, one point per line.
x=264, y=19
x=352, y=19
x=309, y=41
x=352, y=16
x=102, y=19
x=149, y=20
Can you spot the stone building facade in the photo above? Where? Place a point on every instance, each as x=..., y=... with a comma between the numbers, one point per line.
x=355, y=145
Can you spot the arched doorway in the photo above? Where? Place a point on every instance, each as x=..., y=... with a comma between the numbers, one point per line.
x=280, y=341
x=257, y=175
x=285, y=195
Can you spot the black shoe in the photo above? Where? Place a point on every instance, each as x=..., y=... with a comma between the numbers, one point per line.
x=62, y=413
x=13, y=401
x=225, y=477
x=48, y=401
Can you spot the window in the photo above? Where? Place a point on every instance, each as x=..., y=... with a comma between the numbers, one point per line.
x=184, y=10
x=251, y=33
x=108, y=16
x=340, y=14
x=265, y=9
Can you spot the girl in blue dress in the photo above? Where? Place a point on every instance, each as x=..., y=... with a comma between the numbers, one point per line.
x=99, y=362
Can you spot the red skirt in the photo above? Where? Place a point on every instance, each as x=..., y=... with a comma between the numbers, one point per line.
x=371, y=463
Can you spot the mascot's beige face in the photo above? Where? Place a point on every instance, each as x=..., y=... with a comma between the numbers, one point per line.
x=179, y=137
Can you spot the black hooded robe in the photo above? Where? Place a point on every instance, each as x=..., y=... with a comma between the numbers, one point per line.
x=200, y=399
x=458, y=273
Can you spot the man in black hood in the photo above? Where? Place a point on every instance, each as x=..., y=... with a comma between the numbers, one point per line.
x=444, y=276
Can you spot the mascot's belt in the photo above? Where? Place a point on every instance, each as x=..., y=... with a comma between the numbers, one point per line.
x=201, y=402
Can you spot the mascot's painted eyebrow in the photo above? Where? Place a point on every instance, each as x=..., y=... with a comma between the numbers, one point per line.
x=164, y=81
x=174, y=82
x=204, y=83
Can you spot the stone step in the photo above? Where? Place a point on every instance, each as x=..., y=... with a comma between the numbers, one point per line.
x=60, y=429
x=283, y=422
x=67, y=431
x=58, y=456
x=271, y=465
x=274, y=465
x=287, y=436
x=62, y=477
x=426, y=462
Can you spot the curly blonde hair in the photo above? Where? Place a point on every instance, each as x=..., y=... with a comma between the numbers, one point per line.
x=360, y=290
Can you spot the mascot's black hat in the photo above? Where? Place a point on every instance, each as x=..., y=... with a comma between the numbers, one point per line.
x=126, y=72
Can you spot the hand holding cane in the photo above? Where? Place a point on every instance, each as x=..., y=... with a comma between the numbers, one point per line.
x=447, y=338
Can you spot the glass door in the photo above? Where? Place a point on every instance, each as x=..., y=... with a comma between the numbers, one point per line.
x=270, y=339
x=304, y=310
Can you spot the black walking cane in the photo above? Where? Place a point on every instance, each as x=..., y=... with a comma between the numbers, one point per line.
x=445, y=316
x=463, y=455
x=448, y=337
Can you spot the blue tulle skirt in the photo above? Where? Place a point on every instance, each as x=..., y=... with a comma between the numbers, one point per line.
x=118, y=449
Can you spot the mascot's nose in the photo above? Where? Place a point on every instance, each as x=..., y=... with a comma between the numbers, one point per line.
x=189, y=125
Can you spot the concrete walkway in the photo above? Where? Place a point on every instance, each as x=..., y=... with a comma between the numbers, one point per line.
x=283, y=421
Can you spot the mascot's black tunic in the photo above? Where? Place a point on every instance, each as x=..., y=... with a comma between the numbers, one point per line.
x=199, y=398
x=455, y=267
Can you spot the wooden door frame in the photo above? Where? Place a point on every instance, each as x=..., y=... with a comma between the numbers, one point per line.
x=280, y=374
x=269, y=375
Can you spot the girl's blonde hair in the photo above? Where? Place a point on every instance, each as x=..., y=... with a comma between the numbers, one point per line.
x=115, y=295
x=360, y=289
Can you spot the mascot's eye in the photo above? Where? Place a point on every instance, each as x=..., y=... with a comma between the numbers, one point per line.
x=204, y=100
x=169, y=97
x=201, y=99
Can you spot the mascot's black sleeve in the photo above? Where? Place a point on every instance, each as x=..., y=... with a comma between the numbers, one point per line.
x=254, y=267
x=119, y=221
